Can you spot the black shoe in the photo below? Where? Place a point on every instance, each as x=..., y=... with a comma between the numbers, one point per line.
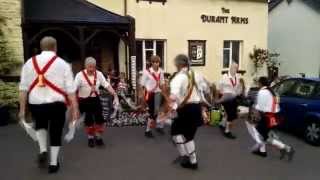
x=180, y=159
x=291, y=154
x=91, y=143
x=43, y=160
x=189, y=165
x=222, y=128
x=148, y=134
x=229, y=135
x=99, y=142
x=259, y=153
x=160, y=131
x=53, y=169
x=283, y=153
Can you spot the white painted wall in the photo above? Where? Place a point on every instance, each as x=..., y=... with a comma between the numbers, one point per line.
x=294, y=33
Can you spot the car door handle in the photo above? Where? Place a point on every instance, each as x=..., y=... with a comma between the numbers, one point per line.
x=304, y=105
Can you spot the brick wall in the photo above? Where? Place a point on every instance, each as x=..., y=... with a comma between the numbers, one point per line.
x=11, y=11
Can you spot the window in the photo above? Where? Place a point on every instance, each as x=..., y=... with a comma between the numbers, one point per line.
x=317, y=92
x=304, y=89
x=197, y=52
x=231, y=52
x=285, y=88
x=148, y=48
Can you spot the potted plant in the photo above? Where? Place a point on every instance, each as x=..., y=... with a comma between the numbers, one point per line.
x=273, y=65
x=9, y=100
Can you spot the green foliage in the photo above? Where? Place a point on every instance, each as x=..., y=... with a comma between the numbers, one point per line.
x=9, y=94
x=7, y=60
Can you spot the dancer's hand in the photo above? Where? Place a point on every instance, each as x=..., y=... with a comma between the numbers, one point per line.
x=75, y=114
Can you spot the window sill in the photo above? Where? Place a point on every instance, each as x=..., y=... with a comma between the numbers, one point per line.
x=242, y=72
x=150, y=1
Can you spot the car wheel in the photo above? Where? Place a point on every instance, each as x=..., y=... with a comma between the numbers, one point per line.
x=312, y=133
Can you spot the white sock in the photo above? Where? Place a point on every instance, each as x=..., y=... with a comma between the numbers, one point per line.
x=263, y=147
x=42, y=140
x=160, y=125
x=54, y=152
x=191, y=149
x=179, y=140
x=149, y=125
x=227, y=127
x=223, y=122
x=277, y=144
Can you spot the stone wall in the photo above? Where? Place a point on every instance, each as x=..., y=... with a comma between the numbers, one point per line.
x=11, y=11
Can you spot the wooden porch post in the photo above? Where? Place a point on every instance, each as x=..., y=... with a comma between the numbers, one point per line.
x=133, y=75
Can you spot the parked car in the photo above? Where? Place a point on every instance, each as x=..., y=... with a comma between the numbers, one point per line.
x=300, y=107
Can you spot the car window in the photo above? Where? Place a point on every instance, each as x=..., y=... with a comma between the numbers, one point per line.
x=284, y=88
x=305, y=89
x=317, y=92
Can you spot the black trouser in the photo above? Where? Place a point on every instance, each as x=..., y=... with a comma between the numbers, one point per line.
x=187, y=122
x=50, y=116
x=154, y=103
x=262, y=127
x=231, y=109
x=93, y=109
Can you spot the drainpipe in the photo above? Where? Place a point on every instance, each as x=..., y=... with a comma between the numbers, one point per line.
x=125, y=7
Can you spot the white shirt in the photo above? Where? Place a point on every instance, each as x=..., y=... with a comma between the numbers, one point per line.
x=230, y=85
x=59, y=73
x=265, y=101
x=83, y=87
x=179, y=87
x=149, y=82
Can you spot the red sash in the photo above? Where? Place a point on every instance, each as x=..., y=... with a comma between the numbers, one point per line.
x=272, y=117
x=234, y=83
x=157, y=79
x=90, y=83
x=41, y=81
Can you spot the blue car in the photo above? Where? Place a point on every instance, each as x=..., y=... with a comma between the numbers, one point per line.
x=300, y=107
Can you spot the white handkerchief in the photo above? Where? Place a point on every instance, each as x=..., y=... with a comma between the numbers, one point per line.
x=28, y=127
x=72, y=128
x=71, y=132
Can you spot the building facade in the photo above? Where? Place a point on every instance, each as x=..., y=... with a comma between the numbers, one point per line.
x=212, y=32
x=293, y=29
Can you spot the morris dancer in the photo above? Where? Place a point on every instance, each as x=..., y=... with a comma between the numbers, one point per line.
x=88, y=82
x=151, y=81
x=230, y=88
x=186, y=100
x=47, y=85
x=267, y=105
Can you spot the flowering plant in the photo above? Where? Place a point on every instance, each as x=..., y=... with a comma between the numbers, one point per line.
x=259, y=57
x=273, y=61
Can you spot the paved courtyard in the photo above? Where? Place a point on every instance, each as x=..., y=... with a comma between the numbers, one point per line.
x=129, y=156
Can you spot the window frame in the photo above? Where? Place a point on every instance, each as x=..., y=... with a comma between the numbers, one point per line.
x=230, y=48
x=154, y=51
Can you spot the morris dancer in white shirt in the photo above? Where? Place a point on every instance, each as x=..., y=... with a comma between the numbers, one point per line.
x=186, y=101
x=230, y=88
x=267, y=105
x=88, y=82
x=152, y=80
x=47, y=86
